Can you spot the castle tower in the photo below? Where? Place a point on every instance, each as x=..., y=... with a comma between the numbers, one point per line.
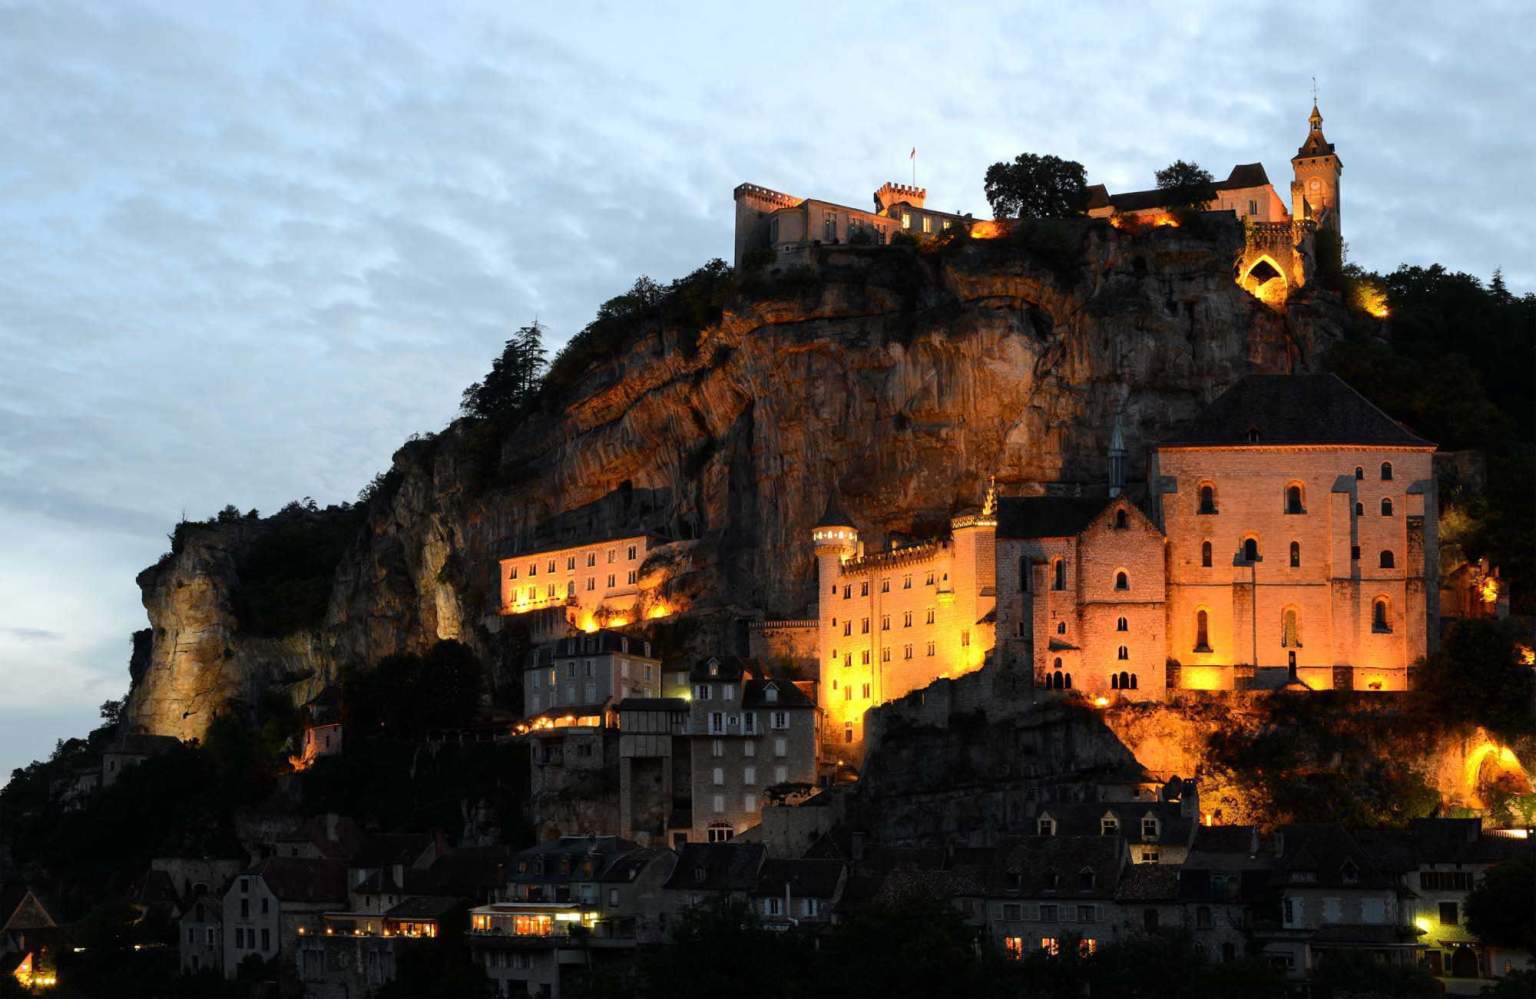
x=1315, y=191
x=836, y=540
x=973, y=586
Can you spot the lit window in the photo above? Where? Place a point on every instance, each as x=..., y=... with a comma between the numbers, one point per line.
x=1050, y=945
x=1014, y=948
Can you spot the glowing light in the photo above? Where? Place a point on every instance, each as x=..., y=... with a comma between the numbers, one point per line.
x=1101, y=701
x=657, y=611
x=987, y=230
x=1136, y=221
x=617, y=622
x=1490, y=590
x=1527, y=655
x=1370, y=298
x=1423, y=923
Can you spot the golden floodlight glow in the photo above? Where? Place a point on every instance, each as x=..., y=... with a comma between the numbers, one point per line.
x=657, y=611
x=1527, y=655
x=1370, y=298
x=1101, y=701
x=1490, y=590
x=986, y=230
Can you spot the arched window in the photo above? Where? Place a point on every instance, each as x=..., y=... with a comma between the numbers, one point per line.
x=1061, y=627
x=1253, y=435
x=1207, y=499
x=1359, y=509
x=1068, y=681
x=1121, y=624
x=1386, y=471
x=1250, y=549
x=1202, y=631
x=1133, y=681
x=1379, y=619
x=1122, y=581
x=1057, y=663
x=1120, y=521
x=1293, y=500
x=1024, y=574
x=1060, y=572
x=1359, y=473
x=1114, y=681
x=1290, y=629
x=1123, y=654
x=1386, y=508
x=1205, y=554
x=1056, y=679
x=1295, y=554
x=1387, y=561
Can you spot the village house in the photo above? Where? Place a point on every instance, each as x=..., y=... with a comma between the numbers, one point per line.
x=322, y=728
x=267, y=907
x=586, y=671
x=706, y=873
x=798, y=893
x=1047, y=893
x=129, y=750
x=749, y=736
x=1223, y=880
x=655, y=770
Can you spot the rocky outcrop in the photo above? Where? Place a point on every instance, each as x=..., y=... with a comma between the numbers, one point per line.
x=899, y=378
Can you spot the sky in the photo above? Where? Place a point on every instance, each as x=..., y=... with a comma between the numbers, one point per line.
x=247, y=249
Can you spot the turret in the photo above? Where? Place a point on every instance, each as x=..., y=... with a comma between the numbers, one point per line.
x=892, y=193
x=1315, y=191
x=836, y=539
x=1117, y=457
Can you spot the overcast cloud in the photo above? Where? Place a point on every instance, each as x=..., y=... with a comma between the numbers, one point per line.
x=245, y=250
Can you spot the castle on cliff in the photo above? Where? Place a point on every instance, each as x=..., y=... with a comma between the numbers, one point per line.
x=1277, y=239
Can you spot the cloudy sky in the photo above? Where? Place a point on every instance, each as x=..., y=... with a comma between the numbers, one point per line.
x=245, y=250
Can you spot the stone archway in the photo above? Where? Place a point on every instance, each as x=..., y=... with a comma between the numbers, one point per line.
x=1464, y=962
x=1265, y=280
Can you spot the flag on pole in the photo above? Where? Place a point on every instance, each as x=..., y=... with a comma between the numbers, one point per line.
x=914, y=154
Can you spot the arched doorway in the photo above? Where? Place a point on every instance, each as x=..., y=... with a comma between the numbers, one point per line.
x=1464, y=963
x=1265, y=280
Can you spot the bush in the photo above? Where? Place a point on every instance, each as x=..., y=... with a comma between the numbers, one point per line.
x=286, y=573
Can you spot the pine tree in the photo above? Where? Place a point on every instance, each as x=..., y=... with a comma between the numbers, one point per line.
x=514, y=378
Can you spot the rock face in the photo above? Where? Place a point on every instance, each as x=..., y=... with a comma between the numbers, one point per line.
x=900, y=379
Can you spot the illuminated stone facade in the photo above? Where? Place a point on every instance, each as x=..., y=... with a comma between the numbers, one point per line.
x=1081, y=595
x=1279, y=242
x=892, y=622
x=790, y=226
x=598, y=583
x=1301, y=532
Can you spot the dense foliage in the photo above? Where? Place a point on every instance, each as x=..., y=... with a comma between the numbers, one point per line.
x=285, y=574
x=1502, y=908
x=514, y=378
x=1189, y=185
x=1036, y=187
x=914, y=947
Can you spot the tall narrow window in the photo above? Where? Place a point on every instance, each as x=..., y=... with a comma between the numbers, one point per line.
x=1293, y=499
x=1290, y=630
x=1386, y=508
x=1205, y=554
x=1123, y=653
x=1060, y=582
x=1295, y=554
x=1359, y=473
x=1379, y=620
x=1122, y=581
x=1386, y=471
x=1120, y=520
x=1359, y=509
x=1024, y=575
x=1202, y=632
x=1250, y=549
x=1207, y=499
x=1387, y=561
x=1121, y=624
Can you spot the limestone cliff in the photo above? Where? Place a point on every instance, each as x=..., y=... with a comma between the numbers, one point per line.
x=900, y=378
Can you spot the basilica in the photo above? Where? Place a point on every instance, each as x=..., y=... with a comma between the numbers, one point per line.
x=1286, y=538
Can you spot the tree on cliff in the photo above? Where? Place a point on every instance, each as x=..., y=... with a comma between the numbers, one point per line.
x=1036, y=187
x=514, y=377
x=1189, y=185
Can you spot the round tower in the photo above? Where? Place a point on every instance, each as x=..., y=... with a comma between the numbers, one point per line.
x=1315, y=191
x=836, y=540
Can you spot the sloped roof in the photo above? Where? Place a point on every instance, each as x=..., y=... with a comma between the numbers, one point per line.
x=653, y=704
x=814, y=878
x=717, y=867
x=564, y=859
x=1045, y=516
x=834, y=516
x=1148, y=883
x=469, y=871
x=1036, y=866
x=425, y=907
x=293, y=879
x=755, y=695
x=727, y=668
x=1243, y=175
x=1293, y=409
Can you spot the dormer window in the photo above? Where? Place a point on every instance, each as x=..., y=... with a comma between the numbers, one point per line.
x=1046, y=826
x=1149, y=827
x=1253, y=435
x=699, y=875
x=1085, y=879
x=771, y=694
x=1349, y=873
x=1109, y=826
x=714, y=667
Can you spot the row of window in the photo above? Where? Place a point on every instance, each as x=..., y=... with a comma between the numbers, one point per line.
x=748, y=748
x=1290, y=625
x=550, y=591
x=748, y=803
x=906, y=652
x=245, y=939
x=587, y=671
x=749, y=775
x=930, y=617
x=723, y=723
x=570, y=561
x=885, y=585
x=1294, y=497
x=1250, y=554
x=1014, y=947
